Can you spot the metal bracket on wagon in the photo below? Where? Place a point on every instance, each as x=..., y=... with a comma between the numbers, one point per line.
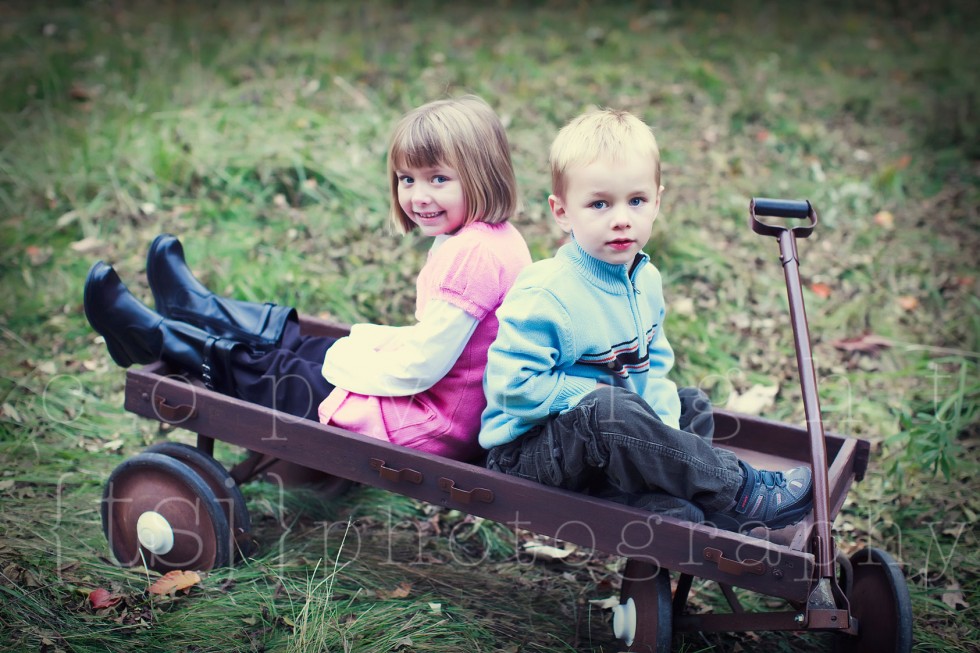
x=480, y=494
x=395, y=475
x=177, y=414
x=734, y=567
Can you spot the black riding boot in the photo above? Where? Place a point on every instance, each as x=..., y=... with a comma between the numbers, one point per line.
x=180, y=296
x=135, y=333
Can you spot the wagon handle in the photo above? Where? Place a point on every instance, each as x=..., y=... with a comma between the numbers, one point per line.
x=788, y=254
x=776, y=208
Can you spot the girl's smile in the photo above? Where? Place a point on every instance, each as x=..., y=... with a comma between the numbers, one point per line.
x=428, y=215
x=432, y=198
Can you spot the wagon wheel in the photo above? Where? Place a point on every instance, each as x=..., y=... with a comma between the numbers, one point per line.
x=156, y=510
x=222, y=484
x=643, y=620
x=880, y=601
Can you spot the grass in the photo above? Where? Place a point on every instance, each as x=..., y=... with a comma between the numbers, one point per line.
x=257, y=133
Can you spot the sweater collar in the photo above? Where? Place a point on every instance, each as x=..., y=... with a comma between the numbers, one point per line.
x=476, y=225
x=613, y=278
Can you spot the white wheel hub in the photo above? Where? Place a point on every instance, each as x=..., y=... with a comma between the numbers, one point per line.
x=624, y=621
x=154, y=533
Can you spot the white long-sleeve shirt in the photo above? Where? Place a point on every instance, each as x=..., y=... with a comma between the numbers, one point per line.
x=397, y=361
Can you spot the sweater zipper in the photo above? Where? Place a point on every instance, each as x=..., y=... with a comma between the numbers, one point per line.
x=637, y=322
x=630, y=276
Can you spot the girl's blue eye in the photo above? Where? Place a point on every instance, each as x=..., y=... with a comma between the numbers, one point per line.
x=440, y=179
x=405, y=179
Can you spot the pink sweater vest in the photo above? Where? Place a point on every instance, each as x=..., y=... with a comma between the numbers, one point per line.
x=472, y=270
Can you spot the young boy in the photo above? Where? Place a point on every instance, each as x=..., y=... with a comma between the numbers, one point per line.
x=576, y=383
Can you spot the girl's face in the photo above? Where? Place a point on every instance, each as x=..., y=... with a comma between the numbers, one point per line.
x=432, y=198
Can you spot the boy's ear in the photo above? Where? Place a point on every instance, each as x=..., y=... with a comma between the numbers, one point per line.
x=558, y=210
x=660, y=196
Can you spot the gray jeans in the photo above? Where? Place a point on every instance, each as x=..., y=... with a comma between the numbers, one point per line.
x=613, y=445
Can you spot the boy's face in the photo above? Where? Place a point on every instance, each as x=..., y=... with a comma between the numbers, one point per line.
x=610, y=206
x=432, y=198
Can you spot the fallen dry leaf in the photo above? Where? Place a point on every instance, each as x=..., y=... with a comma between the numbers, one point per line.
x=754, y=400
x=400, y=592
x=821, y=290
x=683, y=306
x=175, y=580
x=545, y=552
x=606, y=603
x=884, y=219
x=102, y=598
x=38, y=255
x=79, y=92
x=866, y=343
x=8, y=410
x=953, y=596
x=66, y=219
x=908, y=302
x=87, y=245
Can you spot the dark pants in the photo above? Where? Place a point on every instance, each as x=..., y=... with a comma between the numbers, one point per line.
x=613, y=445
x=288, y=379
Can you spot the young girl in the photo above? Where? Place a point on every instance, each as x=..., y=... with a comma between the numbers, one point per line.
x=420, y=386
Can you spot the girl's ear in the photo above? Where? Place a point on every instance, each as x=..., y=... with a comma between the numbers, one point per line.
x=558, y=210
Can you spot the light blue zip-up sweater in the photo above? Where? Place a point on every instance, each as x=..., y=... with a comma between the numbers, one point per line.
x=568, y=323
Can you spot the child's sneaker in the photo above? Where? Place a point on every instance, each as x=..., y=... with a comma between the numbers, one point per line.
x=770, y=499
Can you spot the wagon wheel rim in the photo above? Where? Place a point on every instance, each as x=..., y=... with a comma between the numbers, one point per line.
x=879, y=600
x=645, y=611
x=213, y=473
x=157, y=511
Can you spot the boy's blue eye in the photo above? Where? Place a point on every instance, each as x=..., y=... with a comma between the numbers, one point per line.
x=636, y=201
x=599, y=204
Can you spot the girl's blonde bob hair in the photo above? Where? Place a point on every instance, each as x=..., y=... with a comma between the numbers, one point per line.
x=600, y=134
x=465, y=134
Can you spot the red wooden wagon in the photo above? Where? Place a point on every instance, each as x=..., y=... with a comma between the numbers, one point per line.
x=175, y=507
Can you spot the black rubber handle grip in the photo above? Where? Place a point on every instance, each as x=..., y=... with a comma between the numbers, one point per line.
x=766, y=207
x=781, y=208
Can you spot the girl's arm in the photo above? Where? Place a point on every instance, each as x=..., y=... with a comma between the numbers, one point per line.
x=388, y=361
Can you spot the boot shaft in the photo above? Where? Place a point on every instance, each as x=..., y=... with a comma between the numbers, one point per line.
x=179, y=295
x=135, y=333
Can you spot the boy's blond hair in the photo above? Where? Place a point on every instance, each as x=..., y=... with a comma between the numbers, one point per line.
x=599, y=134
x=465, y=134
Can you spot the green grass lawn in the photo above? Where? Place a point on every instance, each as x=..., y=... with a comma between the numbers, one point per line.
x=257, y=132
